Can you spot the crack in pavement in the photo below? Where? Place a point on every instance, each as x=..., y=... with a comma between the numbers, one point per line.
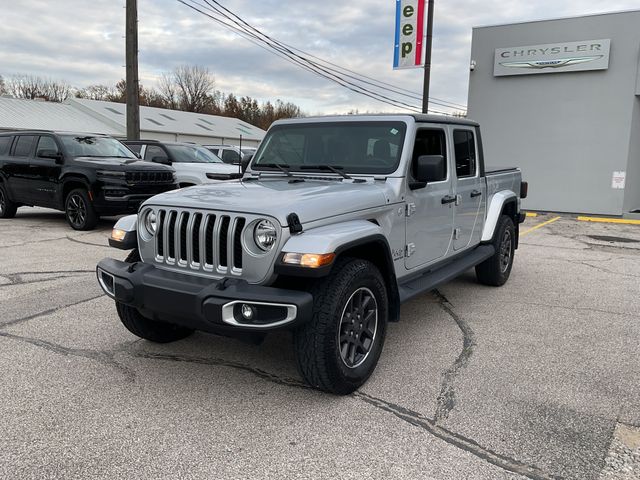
x=446, y=400
x=47, y=312
x=16, y=278
x=71, y=239
x=104, y=357
x=572, y=308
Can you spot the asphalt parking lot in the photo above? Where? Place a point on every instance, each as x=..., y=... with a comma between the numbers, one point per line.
x=537, y=379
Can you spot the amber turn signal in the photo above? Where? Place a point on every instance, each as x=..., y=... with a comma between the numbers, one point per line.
x=310, y=260
x=118, y=235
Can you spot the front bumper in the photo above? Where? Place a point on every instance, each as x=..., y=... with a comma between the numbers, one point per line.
x=200, y=303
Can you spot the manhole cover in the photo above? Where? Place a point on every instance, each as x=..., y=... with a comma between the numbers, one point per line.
x=607, y=238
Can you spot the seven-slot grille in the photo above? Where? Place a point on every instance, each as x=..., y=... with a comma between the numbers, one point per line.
x=207, y=242
x=149, y=177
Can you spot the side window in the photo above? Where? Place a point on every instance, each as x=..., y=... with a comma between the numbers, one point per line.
x=23, y=146
x=430, y=142
x=154, y=151
x=46, y=143
x=465, y=151
x=5, y=142
x=230, y=156
x=135, y=148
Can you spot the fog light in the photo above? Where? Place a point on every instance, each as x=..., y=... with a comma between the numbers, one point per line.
x=247, y=311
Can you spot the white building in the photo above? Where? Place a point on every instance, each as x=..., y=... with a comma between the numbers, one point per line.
x=94, y=116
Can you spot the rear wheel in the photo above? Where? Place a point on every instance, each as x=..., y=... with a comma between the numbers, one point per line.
x=338, y=349
x=79, y=211
x=495, y=271
x=7, y=207
x=143, y=327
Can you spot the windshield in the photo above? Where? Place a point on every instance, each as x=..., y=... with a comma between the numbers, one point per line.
x=352, y=147
x=192, y=154
x=93, y=146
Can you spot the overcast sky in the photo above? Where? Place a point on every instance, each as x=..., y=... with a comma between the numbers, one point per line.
x=82, y=42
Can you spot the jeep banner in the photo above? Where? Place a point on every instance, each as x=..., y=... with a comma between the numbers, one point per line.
x=409, y=37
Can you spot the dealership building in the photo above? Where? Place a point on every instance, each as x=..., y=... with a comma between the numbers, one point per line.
x=561, y=99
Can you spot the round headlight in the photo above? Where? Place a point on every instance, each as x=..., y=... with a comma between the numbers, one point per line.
x=151, y=222
x=265, y=235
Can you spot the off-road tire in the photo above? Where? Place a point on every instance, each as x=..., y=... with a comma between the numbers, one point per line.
x=79, y=210
x=317, y=343
x=7, y=207
x=143, y=327
x=495, y=270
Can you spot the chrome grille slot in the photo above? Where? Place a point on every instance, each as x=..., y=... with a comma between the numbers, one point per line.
x=223, y=244
x=197, y=241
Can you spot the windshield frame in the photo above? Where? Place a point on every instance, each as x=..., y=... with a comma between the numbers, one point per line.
x=68, y=142
x=367, y=169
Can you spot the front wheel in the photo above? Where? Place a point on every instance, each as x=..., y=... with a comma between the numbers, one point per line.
x=143, y=327
x=79, y=211
x=338, y=349
x=495, y=270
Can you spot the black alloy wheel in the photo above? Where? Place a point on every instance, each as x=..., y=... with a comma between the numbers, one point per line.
x=76, y=210
x=7, y=207
x=358, y=327
x=506, y=250
x=79, y=210
x=3, y=203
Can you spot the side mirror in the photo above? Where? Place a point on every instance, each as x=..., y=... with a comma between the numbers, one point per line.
x=427, y=169
x=53, y=154
x=246, y=160
x=162, y=160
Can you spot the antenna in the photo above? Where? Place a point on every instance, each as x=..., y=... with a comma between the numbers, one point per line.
x=240, y=162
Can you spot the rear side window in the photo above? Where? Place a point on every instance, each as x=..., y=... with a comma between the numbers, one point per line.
x=47, y=143
x=465, y=150
x=23, y=146
x=4, y=144
x=230, y=156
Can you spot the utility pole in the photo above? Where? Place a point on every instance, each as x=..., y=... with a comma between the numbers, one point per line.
x=427, y=58
x=133, y=88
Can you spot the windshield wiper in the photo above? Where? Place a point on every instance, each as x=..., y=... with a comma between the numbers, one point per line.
x=283, y=167
x=333, y=168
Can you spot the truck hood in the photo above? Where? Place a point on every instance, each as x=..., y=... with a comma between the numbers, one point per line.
x=120, y=164
x=311, y=200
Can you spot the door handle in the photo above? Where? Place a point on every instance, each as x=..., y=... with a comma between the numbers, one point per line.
x=475, y=193
x=448, y=199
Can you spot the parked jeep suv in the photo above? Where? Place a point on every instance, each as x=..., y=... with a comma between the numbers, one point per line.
x=193, y=164
x=81, y=174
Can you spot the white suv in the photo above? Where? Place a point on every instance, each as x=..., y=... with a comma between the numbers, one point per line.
x=193, y=164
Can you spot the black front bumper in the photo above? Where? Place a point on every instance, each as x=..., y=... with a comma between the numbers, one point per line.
x=201, y=303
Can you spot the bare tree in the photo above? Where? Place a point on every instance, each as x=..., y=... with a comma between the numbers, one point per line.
x=95, y=92
x=32, y=87
x=3, y=87
x=189, y=88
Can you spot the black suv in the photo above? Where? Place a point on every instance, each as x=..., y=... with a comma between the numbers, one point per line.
x=81, y=174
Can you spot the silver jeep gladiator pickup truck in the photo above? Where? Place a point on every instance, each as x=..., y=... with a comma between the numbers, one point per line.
x=336, y=222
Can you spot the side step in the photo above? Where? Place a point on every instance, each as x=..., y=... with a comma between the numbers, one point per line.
x=444, y=274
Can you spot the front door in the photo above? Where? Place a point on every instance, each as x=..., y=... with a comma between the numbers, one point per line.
x=469, y=188
x=429, y=209
x=46, y=174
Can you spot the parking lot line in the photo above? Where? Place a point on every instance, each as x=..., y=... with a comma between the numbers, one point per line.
x=540, y=225
x=625, y=221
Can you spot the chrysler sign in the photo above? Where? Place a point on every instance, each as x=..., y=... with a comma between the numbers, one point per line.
x=552, y=58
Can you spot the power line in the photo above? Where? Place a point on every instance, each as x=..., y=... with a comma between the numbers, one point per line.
x=254, y=35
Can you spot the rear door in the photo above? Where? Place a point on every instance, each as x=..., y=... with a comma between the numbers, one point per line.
x=429, y=211
x=17, y=168
x=45, y=173
x=469, y=188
